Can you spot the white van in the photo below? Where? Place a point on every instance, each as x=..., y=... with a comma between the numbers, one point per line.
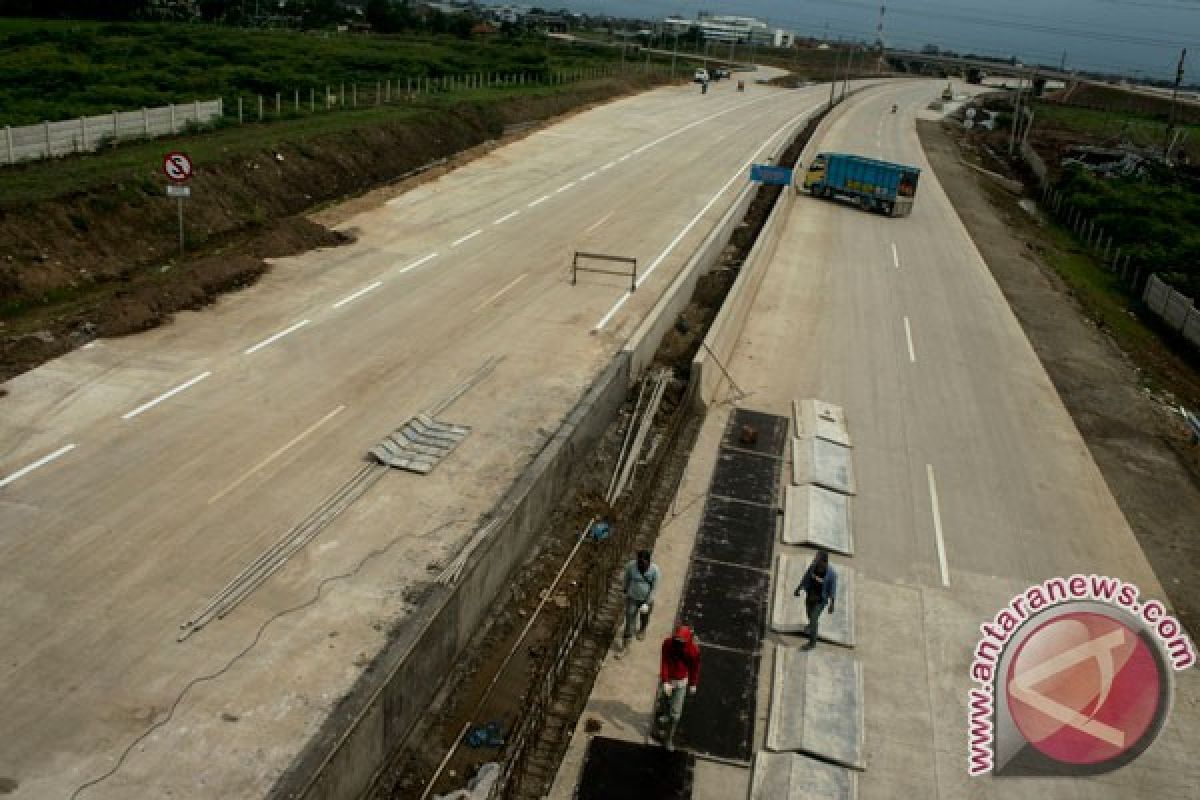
x=701, y=76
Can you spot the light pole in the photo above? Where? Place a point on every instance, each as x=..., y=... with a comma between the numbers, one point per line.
x=674, y=54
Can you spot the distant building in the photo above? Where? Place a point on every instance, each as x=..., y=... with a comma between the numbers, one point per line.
x=730, y=29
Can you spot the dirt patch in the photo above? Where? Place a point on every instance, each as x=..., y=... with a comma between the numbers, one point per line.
x=104, y=262
x=1140, y=444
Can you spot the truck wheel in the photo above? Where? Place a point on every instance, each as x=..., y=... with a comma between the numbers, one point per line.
x=887, y=209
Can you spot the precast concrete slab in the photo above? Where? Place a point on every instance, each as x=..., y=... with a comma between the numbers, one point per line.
x=826, y=421
x=817, y=705
x=823, y=463
x=817, y=517
x=757, y=432
x=791, y=776
x=787, y=610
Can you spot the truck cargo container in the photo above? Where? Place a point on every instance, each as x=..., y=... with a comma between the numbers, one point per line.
x=875, y=185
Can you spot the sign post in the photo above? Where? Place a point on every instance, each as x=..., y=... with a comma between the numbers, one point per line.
x=178, y=169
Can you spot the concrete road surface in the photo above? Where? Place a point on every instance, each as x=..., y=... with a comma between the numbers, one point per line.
x=972, y=481
x=139, y=475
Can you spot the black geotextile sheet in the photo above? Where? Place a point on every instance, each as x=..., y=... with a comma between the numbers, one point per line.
x=736, y=533
x=616, y=770
x=725, y=604
x=772, y=432
x=718, y=720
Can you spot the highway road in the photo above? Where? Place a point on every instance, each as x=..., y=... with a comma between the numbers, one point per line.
x=973, y=481
x=138, y=476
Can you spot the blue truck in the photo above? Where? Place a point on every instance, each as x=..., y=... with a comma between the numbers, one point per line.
x=875, y=185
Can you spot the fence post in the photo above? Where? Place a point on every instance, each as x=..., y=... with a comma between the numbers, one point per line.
x=240, y=120
x=1107, y=245
x=11, y=150
x=312, y=100
x=173, y=114
x=278, y=104
x=378, y=92
x=1112, y=265
x=145, y=122
x=260, y=108
x=327, y=97
x=46, y=136
x=83, y=134
x=342, y=101
x=296, y=98
x=354, y=102
x=116, y=129
x=1137, y=274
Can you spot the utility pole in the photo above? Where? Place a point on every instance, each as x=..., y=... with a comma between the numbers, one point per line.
x=879, y=35
x=849, y=61
x=837, y=58
x=1063, y=66
x=674, y=54
x=1016, y=120
x=1174, y=100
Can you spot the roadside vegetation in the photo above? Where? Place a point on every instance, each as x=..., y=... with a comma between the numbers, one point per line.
x=60, y=70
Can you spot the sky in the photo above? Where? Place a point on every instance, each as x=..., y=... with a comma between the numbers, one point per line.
x=1138, y=38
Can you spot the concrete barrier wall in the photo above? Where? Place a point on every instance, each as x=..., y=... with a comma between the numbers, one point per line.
x=373, y=721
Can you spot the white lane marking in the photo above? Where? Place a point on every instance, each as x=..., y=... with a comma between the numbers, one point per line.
x=165, y=396
x=467, y=238
x=350, y=298
x=740, y=173
x=539, y=201
x=89, y=345
x=912, y=354
x=590, y=175
x=497, y=295
x=41, y=462
x=417, y=263
x=595, y=225
x=506, y=218
x=625, y=157
x=609, y=165
x=295, y=440
x=937, y=526
x=599, y=326
x=895, y=256
x=275, y=338
x=564, y=188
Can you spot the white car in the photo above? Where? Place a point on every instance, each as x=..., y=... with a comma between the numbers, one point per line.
x=701, y=76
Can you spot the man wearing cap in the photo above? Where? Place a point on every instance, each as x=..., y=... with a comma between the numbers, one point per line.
x=819, y=585
x=641, y=581
x=679, y=671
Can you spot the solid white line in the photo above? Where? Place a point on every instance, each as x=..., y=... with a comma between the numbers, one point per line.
x=466, y=238
x=165, y=396
x=352, y=297
x=497, y=295
x=595, y=225
x=912, y=354
x=609, y=165
x=625, y=157
x=740, y=173
x=276, y=337
x=41, y=462
x=591, y=174
x=506, y=217
x=612, y=311
x=895, y=256
x=276, y=454
x=540, y=200
x=89, y=345
x=417, y=263
x=937, y=526
x=564, y=188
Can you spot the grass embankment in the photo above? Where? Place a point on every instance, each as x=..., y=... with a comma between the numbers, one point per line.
x=60, y=70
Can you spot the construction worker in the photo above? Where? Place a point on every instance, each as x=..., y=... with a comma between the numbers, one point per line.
x=679, y=671
x=641, y=581
x=819, y=587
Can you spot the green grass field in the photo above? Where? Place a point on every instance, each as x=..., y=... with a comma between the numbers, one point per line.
x=60, y=70
x=1143, y=130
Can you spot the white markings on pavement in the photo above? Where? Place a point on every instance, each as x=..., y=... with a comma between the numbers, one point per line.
x=165, y=396
x=300, y=436
x=609, y=165
x=625, y=157
x=895, y=256
x=937, y=526
x=89, y=345
x=590, y=175
x=740, y=173
x=912, y=354
x=506, y=218
x=539, y=201
x=417, y=263
x=276, y=337
x=598, y=223
x=352, y=297
x=41, y=462
x=467, y=238
x=498, y=294
x=564, y=188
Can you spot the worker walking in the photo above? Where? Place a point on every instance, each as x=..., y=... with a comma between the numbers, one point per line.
x=641, y=581
x=679, y=671
x=819, y=586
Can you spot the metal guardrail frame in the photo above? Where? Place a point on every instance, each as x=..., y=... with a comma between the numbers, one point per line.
x=576, y=268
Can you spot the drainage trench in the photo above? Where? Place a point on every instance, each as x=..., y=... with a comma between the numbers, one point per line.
x=526, y=676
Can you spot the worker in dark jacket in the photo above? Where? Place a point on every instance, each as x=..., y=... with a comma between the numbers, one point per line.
x=679, y=670
x=819, y=586
x=641, y=582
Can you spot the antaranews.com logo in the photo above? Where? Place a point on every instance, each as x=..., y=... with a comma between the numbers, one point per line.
x=1074, y=678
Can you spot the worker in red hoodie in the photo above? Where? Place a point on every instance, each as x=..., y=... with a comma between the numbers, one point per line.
x=679, y=671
